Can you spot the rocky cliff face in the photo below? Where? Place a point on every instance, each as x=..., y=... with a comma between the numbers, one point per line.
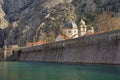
x=33, y=20
x=3, y=19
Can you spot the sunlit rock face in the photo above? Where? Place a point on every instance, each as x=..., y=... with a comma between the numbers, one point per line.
x=33, y=20
x=3, y=21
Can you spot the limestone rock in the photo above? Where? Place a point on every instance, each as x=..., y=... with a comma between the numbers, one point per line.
x=33, y=20
x=3, y=21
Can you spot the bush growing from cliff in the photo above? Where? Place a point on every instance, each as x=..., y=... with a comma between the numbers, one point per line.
x=107, y=22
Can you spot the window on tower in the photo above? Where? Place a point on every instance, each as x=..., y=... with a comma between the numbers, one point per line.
x=84, y=28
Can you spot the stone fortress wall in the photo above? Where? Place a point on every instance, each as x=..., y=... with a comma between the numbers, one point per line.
x=98, y=48
x=1, y=54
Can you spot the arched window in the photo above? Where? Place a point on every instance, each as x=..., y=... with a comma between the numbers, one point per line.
x=84, y=29
x=69, y=31
x=75, y=31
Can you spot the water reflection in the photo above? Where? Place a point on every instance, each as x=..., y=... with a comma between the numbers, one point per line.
x=52, y=71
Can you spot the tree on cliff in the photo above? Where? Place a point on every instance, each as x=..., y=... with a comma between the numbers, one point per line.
x=107, y=22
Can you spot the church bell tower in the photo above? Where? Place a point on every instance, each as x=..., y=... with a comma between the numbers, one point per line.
x=82, y=28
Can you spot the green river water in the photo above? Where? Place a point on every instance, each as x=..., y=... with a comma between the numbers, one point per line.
x=55, y=71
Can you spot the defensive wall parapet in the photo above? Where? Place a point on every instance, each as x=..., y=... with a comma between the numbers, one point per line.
x=98, y=48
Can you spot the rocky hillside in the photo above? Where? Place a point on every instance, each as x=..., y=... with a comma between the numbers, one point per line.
x=33, y=20
x=3, y=19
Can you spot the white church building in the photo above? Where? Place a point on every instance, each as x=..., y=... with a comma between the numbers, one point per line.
x=82, y=28
x=70, y=31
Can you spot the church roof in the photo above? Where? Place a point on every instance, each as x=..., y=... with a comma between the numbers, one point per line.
x=70, y=25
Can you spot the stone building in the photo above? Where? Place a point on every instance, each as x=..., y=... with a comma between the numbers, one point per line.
x=70, y=31
x=82, y=28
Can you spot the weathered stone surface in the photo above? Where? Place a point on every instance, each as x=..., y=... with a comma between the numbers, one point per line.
x=101, y=48
x=1, y=54
x=24, y=18
x=2, y=36
x=3, y=21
